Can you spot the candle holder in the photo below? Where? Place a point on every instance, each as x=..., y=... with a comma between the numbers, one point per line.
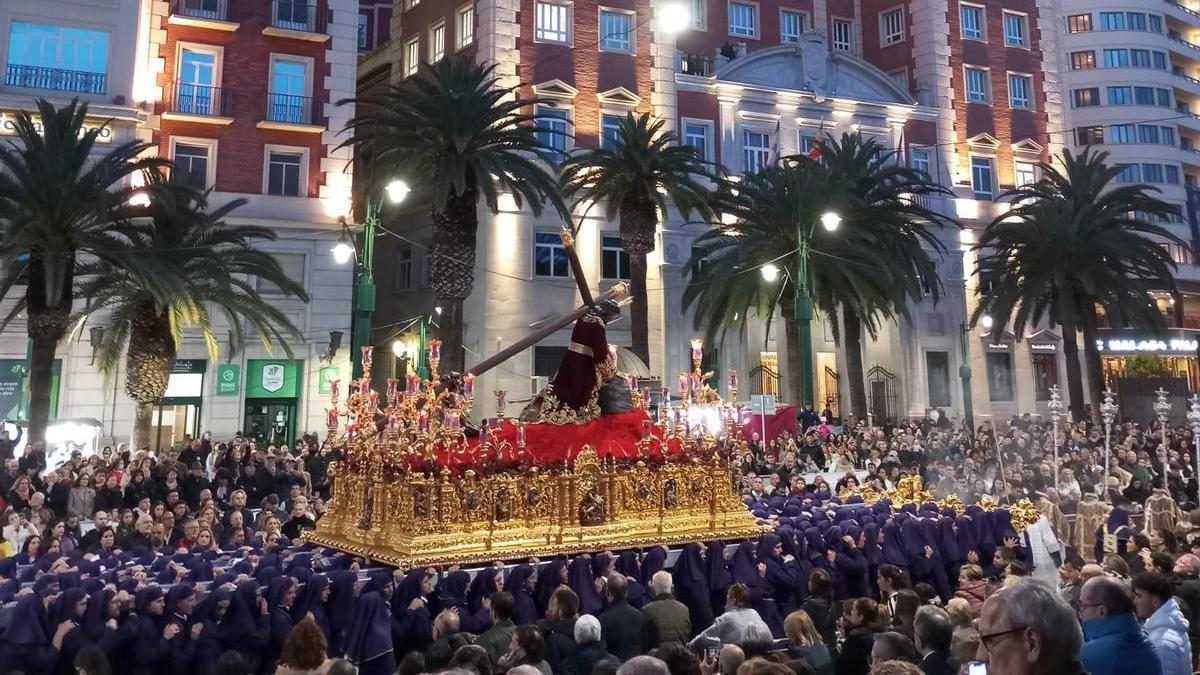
x=697, y=353
x=501, y=399
x=435, y=357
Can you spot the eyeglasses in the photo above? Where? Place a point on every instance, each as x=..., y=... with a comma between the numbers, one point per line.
x=987, y=637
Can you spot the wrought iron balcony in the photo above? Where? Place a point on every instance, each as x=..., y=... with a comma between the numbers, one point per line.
x=297, y=15
x=56, y=79
x=213, y=10
x=289, y=109
x=198, y=99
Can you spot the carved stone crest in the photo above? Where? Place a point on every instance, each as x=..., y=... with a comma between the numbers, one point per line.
x=815, y=56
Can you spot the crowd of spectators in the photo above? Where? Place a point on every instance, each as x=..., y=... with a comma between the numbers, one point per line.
x=190, y=560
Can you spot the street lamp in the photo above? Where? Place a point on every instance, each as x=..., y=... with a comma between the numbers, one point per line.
x=770, y=272
x=397, y=190
x=673, y=17
x=1056, y=408
x=804, y=301
x=1162, y=408
x=964, y=370
x=1108, y=412
x=364, y=287
x=343, y=249
x=1193, y=417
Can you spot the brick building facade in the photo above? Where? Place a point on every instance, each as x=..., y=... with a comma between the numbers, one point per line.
x=967, y=91
x=243, y=96
x=976, y=91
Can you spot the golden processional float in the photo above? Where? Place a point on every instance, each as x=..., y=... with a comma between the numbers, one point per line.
x=413, y=487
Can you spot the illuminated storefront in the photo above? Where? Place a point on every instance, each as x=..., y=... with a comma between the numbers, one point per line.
x=1176, y=350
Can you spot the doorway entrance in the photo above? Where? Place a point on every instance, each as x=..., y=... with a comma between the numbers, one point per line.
x=270, y=422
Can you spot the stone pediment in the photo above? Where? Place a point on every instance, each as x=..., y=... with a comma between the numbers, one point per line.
x=810, y=66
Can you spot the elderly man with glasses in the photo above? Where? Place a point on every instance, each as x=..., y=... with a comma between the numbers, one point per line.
x=1026, y=629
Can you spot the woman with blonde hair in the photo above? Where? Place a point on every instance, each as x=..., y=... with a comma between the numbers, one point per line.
x=304, y=651
x=205, y=540
x=804, y=642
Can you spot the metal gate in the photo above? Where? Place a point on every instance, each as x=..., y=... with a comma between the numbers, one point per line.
x=881, y=387
x=765, y=376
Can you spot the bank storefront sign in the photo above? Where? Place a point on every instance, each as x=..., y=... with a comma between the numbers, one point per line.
x=273, y=378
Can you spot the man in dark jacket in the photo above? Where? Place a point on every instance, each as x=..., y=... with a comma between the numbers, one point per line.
x=933, y=631
x=58, y=491
x=558, y=628
x=193, y=484
x=623, y=627
x=667, y=619
x=589, y=648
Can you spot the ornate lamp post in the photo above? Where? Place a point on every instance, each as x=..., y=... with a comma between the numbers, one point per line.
x=1108, y=412
x=1193, y=417
x=1056, y=409
x=1162, y=408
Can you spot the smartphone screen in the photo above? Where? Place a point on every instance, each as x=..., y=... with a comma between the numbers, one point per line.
x=977, y=668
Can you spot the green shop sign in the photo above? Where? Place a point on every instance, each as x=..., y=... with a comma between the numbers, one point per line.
x=14, y=388
x=229, y=380
x=273, y=378
x=325, y=376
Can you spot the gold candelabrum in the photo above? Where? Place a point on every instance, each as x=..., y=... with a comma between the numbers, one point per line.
x=413, y=488
x=911, y=490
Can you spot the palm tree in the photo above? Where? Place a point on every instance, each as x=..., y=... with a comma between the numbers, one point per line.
x=1073, y=241
x=761, y=216
x=465, y=137
x=885, y=202
x=183, y=261
x=634, y=178
x=56, y=205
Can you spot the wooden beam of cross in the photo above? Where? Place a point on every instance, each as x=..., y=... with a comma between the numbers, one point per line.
x=568, y=240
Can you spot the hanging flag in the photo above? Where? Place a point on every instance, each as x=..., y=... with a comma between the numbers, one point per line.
x=815, y=152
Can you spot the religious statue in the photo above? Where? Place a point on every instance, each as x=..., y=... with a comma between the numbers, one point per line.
x=503, y=505
x=573, y=395
x=670, y=495
x=591, y=509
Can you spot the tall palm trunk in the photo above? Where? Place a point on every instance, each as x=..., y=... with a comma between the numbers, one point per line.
x=149, y=359
x=455, y=229
x=1066, y=311
x=639, y=224
x=1091, y=358
x=48, y=307
x=795, y=378
x=855, y=377
x=43, y=342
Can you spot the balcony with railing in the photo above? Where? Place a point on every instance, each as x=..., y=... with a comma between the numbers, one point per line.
x=290, y=113
x=54, y=79
x=198, y=103
x=215, y=14
x=301, y=19
x=695, y=64
x=1173, y=4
